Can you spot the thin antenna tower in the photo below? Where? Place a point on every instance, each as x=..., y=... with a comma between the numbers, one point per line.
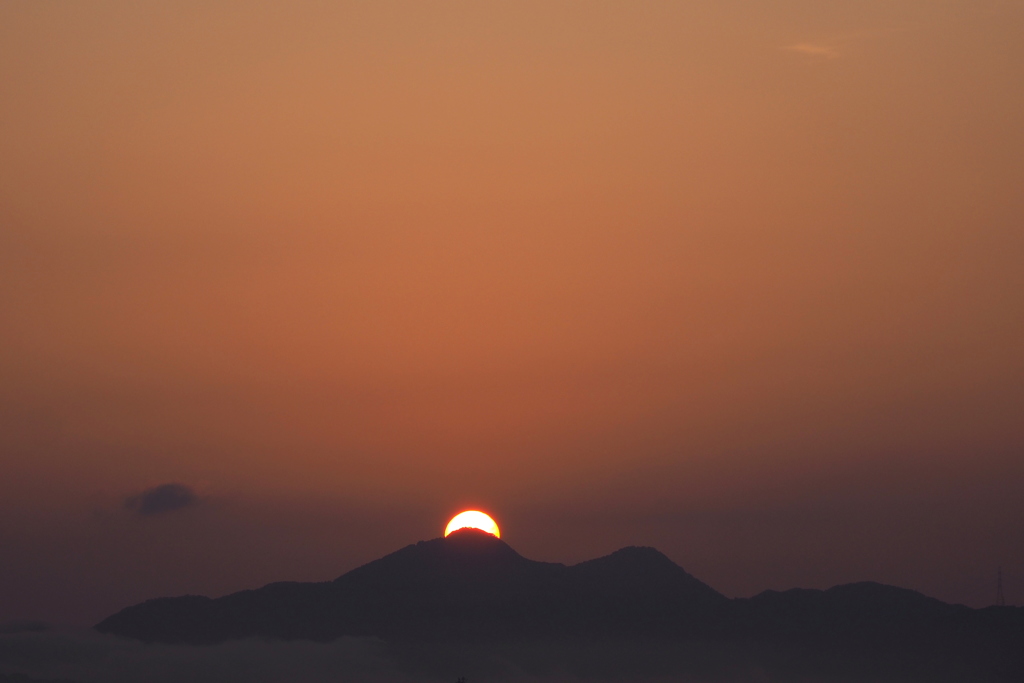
x=1000, y=600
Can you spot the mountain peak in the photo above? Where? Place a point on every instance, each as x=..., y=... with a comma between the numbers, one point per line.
x=644, y=573
x=463, y=554
x=472, y=539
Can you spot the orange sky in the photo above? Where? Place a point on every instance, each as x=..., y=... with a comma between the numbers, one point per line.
x=741, y=280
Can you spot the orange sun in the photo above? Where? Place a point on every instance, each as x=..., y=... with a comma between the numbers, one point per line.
x=473, y=519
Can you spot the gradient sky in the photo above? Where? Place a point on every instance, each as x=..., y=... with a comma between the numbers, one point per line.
x=739, y=280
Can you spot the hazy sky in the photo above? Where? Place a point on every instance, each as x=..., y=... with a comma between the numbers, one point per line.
x=739, y=280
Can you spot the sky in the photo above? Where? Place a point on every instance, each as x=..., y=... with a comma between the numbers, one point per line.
x=284, y=286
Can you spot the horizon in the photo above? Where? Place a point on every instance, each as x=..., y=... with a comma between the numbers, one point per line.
x=466, y=602
x=30, y=625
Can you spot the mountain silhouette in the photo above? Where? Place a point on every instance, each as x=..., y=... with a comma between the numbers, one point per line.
x=472, y=585
x=468, y=584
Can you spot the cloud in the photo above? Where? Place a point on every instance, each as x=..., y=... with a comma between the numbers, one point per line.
x=814, y=50
x=837, y=45
x=161, y=499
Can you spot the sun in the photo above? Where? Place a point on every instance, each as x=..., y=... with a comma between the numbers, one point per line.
x=473, y=519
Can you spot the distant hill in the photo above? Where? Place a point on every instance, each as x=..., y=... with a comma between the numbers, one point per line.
x=472, y=585
x=468, y=584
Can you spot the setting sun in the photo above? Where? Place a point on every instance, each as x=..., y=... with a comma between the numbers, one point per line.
x=472, y=519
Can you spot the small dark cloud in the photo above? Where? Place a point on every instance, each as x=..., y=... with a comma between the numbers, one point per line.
x=161, y=499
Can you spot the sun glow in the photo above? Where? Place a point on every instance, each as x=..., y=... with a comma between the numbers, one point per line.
x=472, y=519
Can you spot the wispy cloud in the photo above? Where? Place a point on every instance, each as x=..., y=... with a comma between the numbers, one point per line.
x=835, y=46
